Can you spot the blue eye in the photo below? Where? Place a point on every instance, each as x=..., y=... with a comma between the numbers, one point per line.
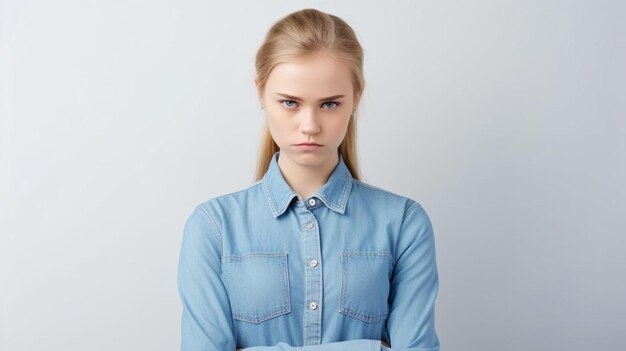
x=282, y=101
x=332, y=102
x=290, y=106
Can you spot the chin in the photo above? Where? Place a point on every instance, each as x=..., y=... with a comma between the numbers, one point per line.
x=307, y=159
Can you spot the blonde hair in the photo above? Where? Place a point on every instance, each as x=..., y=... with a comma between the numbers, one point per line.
x=300, y=34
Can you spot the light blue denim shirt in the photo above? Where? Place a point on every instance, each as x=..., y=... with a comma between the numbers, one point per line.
x=264, y=269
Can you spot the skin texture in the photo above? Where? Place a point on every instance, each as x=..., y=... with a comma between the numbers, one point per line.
x=309, y=119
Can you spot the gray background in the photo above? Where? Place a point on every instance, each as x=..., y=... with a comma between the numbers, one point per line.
x=506, y=120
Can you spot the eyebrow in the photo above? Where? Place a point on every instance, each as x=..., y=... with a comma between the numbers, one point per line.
x=299, y=99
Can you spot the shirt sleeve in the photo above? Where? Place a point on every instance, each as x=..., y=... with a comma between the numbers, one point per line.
x=414, y=286
x=206, y=323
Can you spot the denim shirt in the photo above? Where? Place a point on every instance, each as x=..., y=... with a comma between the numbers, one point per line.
x=264, y=269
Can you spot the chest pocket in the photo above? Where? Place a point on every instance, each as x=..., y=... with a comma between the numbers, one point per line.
x=257, y=285
x=365, y=285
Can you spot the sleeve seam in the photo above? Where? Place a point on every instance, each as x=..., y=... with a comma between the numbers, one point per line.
x=412, y=208
x=213, y=224
x=414, y=205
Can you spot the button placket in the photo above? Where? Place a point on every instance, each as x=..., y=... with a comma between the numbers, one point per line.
x=312, y=276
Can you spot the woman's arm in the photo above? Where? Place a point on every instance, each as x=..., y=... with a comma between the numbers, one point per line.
x=414, y=286
x=350, y=345
x=206, y=323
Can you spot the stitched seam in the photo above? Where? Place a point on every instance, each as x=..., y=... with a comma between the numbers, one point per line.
x=216, y=229
x=343, y=292
x=342, y=197
x=276, y=311
x=239, y=258
x=263, y=317
x=346, y=189
x=414, y=204
x=363, y=317
x=269, y=197
x=383, y=253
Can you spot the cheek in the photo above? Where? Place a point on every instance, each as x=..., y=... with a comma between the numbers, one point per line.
x=277, y=128
x=341, y=125
x=345, y=125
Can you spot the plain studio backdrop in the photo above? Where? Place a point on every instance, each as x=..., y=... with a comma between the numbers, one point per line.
x=506, y=120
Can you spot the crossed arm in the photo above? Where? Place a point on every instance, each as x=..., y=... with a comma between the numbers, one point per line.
x=384, y=343
x=207, y=324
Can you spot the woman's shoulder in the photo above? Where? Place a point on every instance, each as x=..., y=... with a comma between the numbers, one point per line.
x=232, y=200
x=376, y=194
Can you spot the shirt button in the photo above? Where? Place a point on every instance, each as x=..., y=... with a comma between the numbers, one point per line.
x=310, y=225
x=312, y=202
x=313, y=305
x=313, y=263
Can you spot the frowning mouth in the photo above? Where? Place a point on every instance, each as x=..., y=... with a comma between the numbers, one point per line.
x=308, y=146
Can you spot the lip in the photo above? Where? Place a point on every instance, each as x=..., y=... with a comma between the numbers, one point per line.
x=308, y=146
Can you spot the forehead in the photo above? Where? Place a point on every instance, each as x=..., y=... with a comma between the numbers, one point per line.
x=312, y=77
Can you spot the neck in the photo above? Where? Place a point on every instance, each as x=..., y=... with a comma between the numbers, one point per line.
x=306, y=181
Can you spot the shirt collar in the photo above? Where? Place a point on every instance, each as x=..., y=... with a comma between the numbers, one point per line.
x=334, y=193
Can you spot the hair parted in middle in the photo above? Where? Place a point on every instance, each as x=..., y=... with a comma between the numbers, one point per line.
x=302, y=34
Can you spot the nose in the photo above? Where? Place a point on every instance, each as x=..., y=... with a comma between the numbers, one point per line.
x=309, y=123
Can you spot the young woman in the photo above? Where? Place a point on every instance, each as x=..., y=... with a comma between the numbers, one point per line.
x=308, y=257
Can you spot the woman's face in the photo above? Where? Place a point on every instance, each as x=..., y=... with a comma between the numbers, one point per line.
x=309, y=100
